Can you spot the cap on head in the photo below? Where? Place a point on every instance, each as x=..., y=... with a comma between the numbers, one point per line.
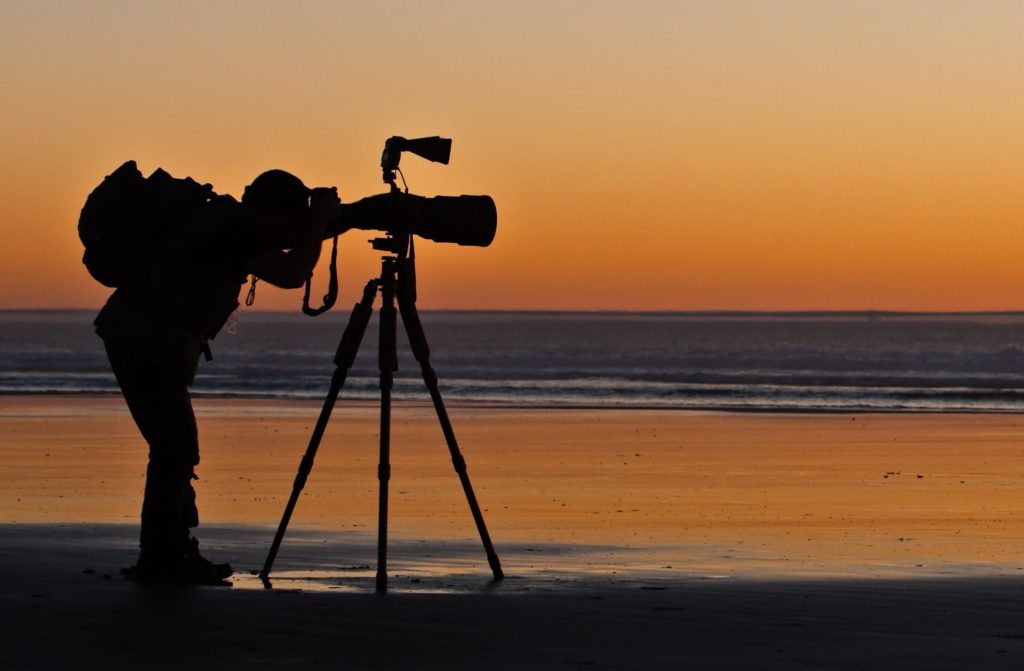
x=278, y=191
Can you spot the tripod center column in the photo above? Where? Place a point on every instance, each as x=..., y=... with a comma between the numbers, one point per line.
x=387, y=360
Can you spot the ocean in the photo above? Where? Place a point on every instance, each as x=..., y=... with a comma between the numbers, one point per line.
x=813, y=362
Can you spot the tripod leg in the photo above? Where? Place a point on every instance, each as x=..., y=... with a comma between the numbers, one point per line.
x=388, y=363
x=343, y=359
x=420, y=348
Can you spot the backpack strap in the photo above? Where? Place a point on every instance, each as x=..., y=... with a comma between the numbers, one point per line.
x=332, y=287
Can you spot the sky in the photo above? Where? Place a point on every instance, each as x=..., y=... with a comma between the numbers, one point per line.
x=643, y=155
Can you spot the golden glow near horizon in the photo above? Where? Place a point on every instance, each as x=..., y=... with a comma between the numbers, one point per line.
x=643, y=156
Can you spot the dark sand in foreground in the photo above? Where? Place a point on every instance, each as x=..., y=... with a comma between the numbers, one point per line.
x=631, y=539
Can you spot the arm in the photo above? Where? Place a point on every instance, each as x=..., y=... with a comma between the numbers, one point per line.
x=289, y=268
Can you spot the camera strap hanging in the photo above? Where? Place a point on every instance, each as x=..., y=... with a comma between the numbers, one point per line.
x=250, y=297
x=332, y=287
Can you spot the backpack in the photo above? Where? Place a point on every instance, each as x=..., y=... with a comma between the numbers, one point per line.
x=127, y=213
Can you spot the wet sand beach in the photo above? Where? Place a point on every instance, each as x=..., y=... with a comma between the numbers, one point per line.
x=630, y=539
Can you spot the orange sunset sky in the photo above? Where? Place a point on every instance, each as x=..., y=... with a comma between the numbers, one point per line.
x=643, y=155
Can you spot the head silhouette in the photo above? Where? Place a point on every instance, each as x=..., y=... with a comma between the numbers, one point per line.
x=277, y=191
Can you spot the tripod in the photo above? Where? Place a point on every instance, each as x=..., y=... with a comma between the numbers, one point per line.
x=397, y=281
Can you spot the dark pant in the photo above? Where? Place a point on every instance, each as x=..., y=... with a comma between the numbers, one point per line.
x=154, y=375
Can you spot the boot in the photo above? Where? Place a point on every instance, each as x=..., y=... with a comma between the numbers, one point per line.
x=182, y=570
x=204, y=565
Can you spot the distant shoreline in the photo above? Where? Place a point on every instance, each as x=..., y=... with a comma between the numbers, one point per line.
x=540, y=407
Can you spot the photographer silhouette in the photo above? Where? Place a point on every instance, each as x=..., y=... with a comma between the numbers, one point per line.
x=158, y=321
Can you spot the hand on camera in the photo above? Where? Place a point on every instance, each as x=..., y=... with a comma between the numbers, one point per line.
x=324, y=200
x=324, y=207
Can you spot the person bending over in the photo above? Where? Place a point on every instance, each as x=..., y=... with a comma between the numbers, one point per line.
x=155, y=329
